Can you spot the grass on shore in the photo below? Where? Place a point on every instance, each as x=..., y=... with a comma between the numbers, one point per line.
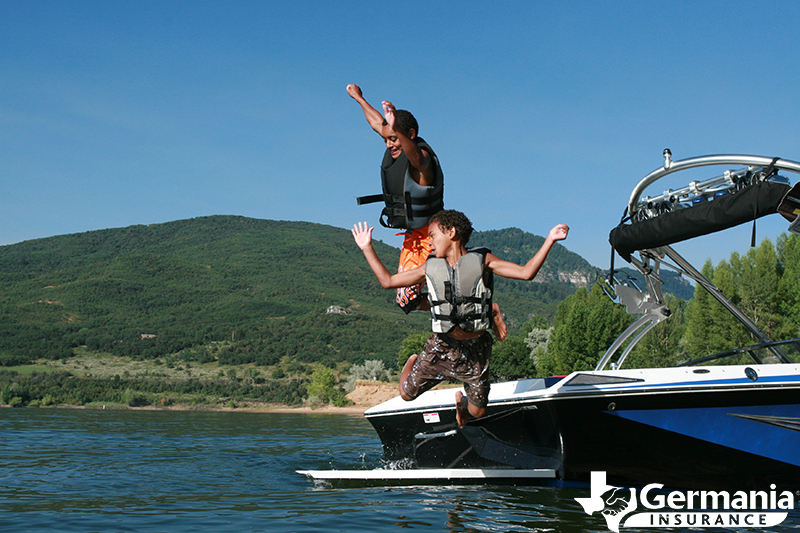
x=108, y=381
x=103, y=365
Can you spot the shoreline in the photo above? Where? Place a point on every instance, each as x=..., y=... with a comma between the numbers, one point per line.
x=366, y=394
x=352, y=410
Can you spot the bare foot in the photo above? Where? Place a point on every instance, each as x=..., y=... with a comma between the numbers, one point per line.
x=498, y=324
x=462, y=409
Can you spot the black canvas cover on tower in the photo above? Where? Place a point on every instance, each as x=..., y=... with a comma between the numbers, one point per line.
x=708, y=217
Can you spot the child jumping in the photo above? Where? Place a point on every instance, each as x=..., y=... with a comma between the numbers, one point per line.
x=412, y=182
x=460, y=290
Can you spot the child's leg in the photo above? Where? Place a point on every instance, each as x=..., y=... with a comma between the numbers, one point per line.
x=474, y=373
x=421, y=372
x=464, y=408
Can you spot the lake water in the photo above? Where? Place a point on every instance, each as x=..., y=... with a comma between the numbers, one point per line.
x=173, y=471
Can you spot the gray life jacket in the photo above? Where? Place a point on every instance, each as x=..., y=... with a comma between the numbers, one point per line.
x=461, y=296
x=408, y=204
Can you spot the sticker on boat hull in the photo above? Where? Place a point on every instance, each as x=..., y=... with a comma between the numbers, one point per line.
x=430, y=418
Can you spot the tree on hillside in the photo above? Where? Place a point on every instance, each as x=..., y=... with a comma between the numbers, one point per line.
x=585, y=326
x=758, y=287
x=411, y=345
x=757, y=284
x=538, y=340
x=788, y=292
x=371, y=370
x=511, y=360
x=323, y=388
x=515, y=358
x=709, y=327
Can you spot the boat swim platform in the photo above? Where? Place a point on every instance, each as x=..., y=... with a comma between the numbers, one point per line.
x=425, y=476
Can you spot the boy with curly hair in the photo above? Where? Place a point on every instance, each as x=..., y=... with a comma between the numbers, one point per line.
x=460, y=285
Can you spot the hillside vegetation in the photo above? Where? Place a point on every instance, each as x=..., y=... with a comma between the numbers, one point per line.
x=233, y=290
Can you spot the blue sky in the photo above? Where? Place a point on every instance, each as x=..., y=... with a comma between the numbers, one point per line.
x=121, y=113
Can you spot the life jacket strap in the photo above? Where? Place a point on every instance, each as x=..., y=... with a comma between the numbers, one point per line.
x=361, y=200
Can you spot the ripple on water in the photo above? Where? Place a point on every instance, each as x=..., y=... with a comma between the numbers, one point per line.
x=151, y=471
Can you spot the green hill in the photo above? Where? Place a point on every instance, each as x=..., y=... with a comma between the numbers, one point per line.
x=231, y=289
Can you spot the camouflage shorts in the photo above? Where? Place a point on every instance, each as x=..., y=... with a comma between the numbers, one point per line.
x=447, y=358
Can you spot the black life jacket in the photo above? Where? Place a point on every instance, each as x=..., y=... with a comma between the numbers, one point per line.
x=460, y=296
x=408, y=204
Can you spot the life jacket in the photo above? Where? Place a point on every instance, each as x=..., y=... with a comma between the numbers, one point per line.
x=408, y=204
x=460, y=296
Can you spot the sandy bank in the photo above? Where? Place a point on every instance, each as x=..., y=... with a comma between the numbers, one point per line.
x=365, y=395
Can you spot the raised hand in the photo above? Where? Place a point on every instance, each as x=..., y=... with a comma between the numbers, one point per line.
x=354, y=90
x=362, y=234
x=388, y=113
x=559, y=232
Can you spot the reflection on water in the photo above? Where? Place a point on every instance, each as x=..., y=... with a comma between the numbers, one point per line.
x=147, y=471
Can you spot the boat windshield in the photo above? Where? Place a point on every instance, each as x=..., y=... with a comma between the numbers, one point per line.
x=763, y=354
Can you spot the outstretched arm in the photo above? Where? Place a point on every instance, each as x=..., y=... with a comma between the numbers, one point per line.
x=528, y=271
x=372, y=115
x=417, y=157
x=362, y=234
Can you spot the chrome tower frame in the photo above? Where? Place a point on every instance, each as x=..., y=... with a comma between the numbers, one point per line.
x=651, y=303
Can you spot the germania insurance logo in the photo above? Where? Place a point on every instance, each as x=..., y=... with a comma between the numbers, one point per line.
x=653, y=507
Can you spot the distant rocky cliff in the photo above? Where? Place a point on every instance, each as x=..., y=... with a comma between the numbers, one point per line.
x=578, y=278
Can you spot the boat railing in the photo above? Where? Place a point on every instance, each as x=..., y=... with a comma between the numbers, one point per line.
x=789, y=346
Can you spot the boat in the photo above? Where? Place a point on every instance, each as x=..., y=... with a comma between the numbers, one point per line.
x=723, y=421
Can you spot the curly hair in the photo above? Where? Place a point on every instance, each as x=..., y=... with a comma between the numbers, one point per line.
x=449, y=218
x=406, y=121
